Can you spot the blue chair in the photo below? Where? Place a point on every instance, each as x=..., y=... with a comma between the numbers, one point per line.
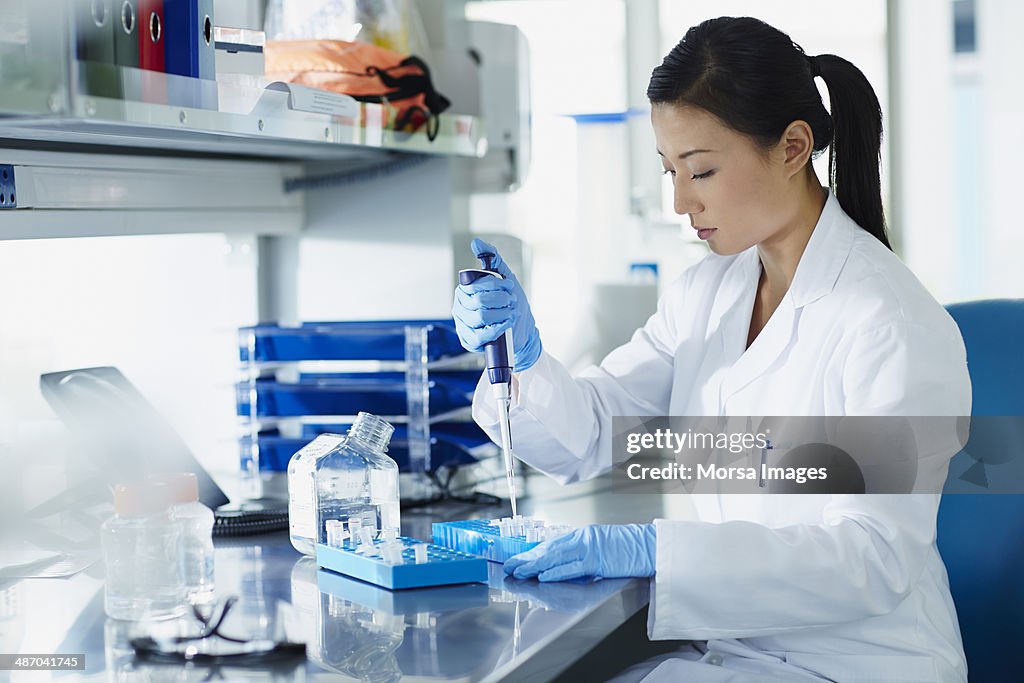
x=981, y=536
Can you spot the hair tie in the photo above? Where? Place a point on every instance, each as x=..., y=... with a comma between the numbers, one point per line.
x=815, y=66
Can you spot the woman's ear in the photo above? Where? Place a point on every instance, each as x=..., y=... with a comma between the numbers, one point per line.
x=796, y=146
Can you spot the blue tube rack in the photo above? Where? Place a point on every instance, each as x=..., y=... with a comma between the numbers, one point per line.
x=403, y=602
x=479, y=537
x=443, y=567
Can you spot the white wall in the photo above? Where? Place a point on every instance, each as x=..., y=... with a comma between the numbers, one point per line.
x=923, y=182
x=378, y=250
x=1001, y=230
x=164, y=309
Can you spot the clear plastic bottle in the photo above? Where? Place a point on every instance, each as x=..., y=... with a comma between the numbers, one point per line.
x=195, y=548
x=358, y=481
x=140, y=551
x=302, y=491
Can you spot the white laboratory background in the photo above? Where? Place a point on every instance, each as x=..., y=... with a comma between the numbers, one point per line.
x=165, y=309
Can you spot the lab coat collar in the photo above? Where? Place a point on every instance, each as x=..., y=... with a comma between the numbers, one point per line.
x=824, y=256
x=816, y=275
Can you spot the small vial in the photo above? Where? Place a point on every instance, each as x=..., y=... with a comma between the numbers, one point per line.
x=521, y=522
x=390, y=534
x=335, y=533
x=532, y=534
x=391, y=552
x=420, y=552
x=353, y=528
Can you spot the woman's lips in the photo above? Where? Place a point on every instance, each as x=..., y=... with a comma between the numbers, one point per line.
x=704, y=233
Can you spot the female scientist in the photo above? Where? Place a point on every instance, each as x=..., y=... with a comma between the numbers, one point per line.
x=801, y=308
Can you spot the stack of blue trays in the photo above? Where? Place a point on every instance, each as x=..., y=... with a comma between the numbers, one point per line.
x=383, y=393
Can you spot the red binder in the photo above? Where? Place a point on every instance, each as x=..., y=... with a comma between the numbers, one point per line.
x=151, y=34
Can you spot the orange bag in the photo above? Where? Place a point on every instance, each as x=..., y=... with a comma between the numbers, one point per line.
x=366, y=72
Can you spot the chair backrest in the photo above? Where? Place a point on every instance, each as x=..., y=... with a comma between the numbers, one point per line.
x=981, y=536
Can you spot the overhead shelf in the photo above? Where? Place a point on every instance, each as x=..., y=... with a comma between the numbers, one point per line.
x=107, y=122
x=48, y=97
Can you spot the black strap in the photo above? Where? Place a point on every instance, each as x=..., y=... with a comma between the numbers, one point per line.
x=408, y=86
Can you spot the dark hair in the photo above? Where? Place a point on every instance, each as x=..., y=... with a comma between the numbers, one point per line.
x=757, y=81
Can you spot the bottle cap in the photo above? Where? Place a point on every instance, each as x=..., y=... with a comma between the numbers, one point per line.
x=141, y=498
x=182, y=486
x=372, y=430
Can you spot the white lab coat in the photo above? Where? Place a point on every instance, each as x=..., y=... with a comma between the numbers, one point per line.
x=840, y=587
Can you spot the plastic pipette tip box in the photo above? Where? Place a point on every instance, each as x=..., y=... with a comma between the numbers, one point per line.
x=443, y=566
x=480, y=537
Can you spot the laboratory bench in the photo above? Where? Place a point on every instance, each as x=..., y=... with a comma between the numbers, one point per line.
x=506, y=630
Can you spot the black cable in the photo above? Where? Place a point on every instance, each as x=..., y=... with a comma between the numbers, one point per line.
x=446, y=494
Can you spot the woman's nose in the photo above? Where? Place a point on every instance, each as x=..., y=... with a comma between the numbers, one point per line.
x=685, y=203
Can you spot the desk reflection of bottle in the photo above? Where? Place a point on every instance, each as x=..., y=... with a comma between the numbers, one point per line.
x=344, y=636
x=359, y=641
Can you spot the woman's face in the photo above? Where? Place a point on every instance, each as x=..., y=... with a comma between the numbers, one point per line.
x=721, y=179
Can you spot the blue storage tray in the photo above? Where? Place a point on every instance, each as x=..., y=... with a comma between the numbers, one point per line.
x=277, y=450
x=403, y=602
x=465, y=434
x=443, y=566
x=342, y=397
x=459, y=381
x=479, y=537
x=354, y=340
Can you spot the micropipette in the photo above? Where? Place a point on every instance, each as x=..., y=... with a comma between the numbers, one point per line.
x=499, y=373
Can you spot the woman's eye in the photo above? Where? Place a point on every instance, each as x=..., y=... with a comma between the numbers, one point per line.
x=669, y=171
x=700, y=176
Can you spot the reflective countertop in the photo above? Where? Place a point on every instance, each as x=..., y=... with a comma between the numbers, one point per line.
x=505, y=630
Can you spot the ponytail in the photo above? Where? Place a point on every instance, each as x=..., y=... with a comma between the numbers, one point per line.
x=855, y=152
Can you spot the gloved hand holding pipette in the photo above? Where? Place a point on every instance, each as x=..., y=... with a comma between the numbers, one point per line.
x=492, y=315
x=485, y=308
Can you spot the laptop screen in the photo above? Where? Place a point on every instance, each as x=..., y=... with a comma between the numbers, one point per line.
x=120, y=430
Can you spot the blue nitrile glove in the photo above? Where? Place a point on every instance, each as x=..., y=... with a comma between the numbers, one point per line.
x=484, y=309
x=607, y=551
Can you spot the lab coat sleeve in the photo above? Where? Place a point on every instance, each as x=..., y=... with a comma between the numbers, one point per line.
x=739, y=579
x=562, y=425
